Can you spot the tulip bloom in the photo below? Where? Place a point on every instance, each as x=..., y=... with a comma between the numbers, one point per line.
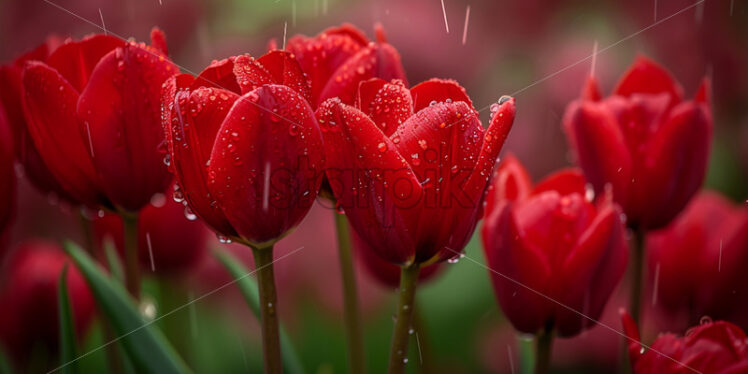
x=709, y=242
x=92, y=111
x=409, y=168
x=649, y=144
x=10, y=100
x=552, y=239
x=30, y=282
x=338, y=59
x=7, y=175
x=711, y=347
x=168, y=242
x=244, y=146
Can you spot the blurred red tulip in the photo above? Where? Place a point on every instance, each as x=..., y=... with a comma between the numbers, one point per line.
x=709, y=242
x=338, y=59
x=712, y=347
x=28, y=317
x=410, y=167
x=555, y=241
x=10, y=100
x=385, y=273
x=244, y=145
x=7, y=174
x=92, y=110
x=644, y=140
x=168, y=241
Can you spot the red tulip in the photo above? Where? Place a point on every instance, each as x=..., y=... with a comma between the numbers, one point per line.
x=709, y=242
x=168, y=241
x=10, y=100
x=7, y=174
x=92, y=110
x=645, y=141
x=554, y=240
x=338, y=59
x=244, y=145
x=385, y=273
x=712, y=347
x=29, y=317
x=410, y=167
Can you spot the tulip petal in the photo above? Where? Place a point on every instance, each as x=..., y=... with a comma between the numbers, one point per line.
x=121, y=107
x=191, y=134
x=266, y=168
x=510, y=182
x=438, y=90
x=376, y=60
x=371, y=181
x=646, y=76
x=49, y=103
x=219, y=74
x=285, y=70
x=76, y=60
x=675, y=166
x=250, y=73
x=565, y=182
x=592, y=270
x=520, y=274
x=158, y=41
x=387, y=104
x=600, y=147
x=7, y=173
x=631, y=332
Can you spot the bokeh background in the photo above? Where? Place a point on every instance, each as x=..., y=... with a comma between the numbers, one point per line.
x=538, y=51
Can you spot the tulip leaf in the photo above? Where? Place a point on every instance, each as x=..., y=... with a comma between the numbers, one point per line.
x=250, y=291
x=68, y=364
x=146, y=346
x=112, y=258
x=4, y=363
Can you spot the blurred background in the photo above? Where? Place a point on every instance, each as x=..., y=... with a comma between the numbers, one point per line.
x=538, y=51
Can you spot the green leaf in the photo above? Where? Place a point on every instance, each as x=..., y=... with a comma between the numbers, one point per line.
x=115, y=265
x=248, y=288
x=67, y=327
x=4, y=363
x=146, y=346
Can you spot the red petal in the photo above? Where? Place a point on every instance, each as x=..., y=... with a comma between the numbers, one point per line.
x=704, y=93
x=565, y=182
x=632, y=335
x=76, y=60
x=592, y=271
x=599, y=146
x=376, y=60
x=591, y=90
x=438, y=90
x=250, y=73
x=387, y=104
x=676, y=163
x=49, y=102
x=158, y=41
x=646, y=76
x=7, y=173
x=219, y=74
x=511, y=182
x=285, y=70
x=320, y=56
x=495, y=135
x=519, y=272
x=121, y=107
x=266, y=166
x=371, y=181
x=191, y=133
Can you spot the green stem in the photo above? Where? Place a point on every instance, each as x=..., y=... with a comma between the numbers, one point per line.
x=268, y=309
x=405, y=306
x=637, y=272
x=132, y=267
x=543, y=346
x=351, y=310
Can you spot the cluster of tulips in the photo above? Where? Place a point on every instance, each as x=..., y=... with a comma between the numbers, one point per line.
x=247, y=145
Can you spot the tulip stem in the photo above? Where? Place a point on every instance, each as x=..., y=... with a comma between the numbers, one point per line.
x=268, y=309
x=636, y=275
x=543, y=346
x=350, y=297
x=405, y=306
x=132, y=266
